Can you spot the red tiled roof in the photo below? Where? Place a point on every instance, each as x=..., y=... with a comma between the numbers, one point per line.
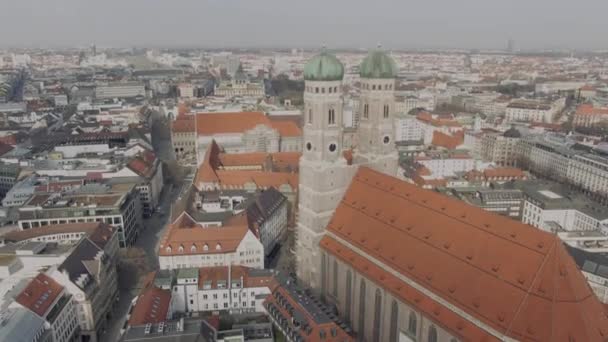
x=518, y=280
x=217, y=123
x=214, y=123
x=40, y=294
x=210, y=172
x=143, y=164
x=286, y=128
x=589, y=109
x=184, y=124
x=152, y=305
x=184, y=233
x=511, y=172
x=447, y=141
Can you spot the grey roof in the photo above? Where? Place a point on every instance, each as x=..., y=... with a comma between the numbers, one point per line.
x=593, y=263
x=554, y=196
x=19, y=325
x=264, y=206
x=73, y=264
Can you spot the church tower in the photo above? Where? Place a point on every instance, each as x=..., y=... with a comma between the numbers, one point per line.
x=324, y=172
x=376, y=118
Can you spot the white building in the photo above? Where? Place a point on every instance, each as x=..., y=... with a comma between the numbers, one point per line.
x=50, y=300
x=188, y=244
x=235, y=289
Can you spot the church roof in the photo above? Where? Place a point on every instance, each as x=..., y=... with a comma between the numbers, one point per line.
x=446, y=257
x=324, y=67
x=377, y=64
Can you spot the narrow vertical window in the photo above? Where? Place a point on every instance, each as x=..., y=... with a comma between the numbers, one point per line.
x=331, y=117
x=394, y=321
x=377, y=316
x=386, y=111
x=310, y=116
x=365, y=111
x=335, y=284
x=362, y=318
x=349, y=295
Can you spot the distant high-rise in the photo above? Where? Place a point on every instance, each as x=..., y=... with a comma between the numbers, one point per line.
x=510, y=46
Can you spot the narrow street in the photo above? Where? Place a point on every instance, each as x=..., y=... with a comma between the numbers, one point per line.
x=149, y=237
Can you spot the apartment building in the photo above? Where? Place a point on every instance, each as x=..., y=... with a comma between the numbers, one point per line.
x=118, y=206
x=234, y=289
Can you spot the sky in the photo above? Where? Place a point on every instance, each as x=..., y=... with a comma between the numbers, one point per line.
x=532, y=24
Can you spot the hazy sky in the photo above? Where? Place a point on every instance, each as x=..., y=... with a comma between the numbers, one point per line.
x=305, y=23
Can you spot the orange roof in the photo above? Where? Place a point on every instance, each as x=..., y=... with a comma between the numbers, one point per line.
x=209, y=171
x=437, y=121
x=518, y=280
x=243, y=159
x=447, y=141
x=214, y=123
x=184, y=233
x=184, y=124
x=588, y=109
x=512, y=172
x=21, y=235
x=217, y=123
x=40, y=294
x=286, y=128
x=152, y=305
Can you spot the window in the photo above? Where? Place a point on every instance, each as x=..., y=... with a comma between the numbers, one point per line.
x=361, y=324
x=310, y=116
x=432, y=334
x=252, y=303
x=377, y=308
x=349, y=285
x=335, y=285
x=335, y=89
x=374, y=87
x=332, y=117
x=308, y=146
x=394, y=321
x=323, y=273
x=412, y=324
x=330, y=89
x=386, y=111
x=332, y=147
x=317, y=90
x=365, y=111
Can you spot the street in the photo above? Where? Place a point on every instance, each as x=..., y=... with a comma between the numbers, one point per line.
x=149, y=238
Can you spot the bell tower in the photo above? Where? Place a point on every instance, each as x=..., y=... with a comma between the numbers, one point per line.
x=324, y=172
x=376, y=118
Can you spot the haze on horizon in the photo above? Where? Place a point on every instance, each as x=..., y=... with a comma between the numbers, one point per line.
x=532, y=24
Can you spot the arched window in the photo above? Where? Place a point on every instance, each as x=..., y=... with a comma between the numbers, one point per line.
x=206, y=247
x=335, y=289
x=218, y=247
x=168, y=249
x=180, y=249
x=366, y=110
x=193, y=248
x=349, y=295
x=331, y=117
x=394, y=321
x=412, y=324
x=432, y=334
x=377, y=313
x=386, y=111
x=362, y=317
x=310, y=116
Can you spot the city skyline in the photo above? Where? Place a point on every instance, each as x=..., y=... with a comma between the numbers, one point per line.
x=273, y=23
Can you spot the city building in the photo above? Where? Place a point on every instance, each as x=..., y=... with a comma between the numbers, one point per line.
x=302, y=317
x=533, y=110
x=246, y=132
x=594, y=267
x=89, y=275
x=501, y=148
x=234, y=289
x=50, y=301
x=120, y=90
x=398, y=261
x=189, y=244
x=267, y=216
x=587, y=115
x=118, y=206
x=9, y=174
